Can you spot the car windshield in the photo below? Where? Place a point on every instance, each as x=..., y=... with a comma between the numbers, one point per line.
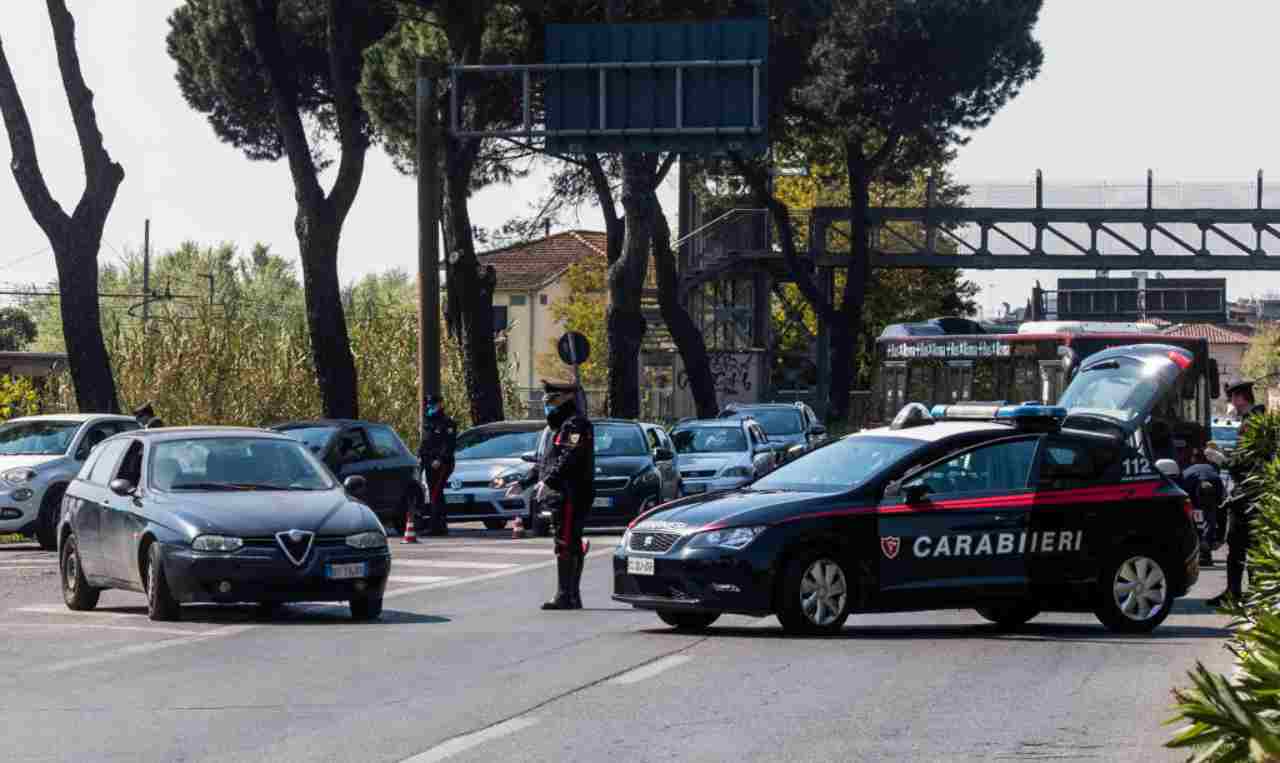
x=315, y=438
x=709, y=440
x=844, y=465
x=1119, y=388
x=620, y=440
x=235, y=463
x=777, y=421
x=475, y=444
x=1226, y=434
x=37, y=438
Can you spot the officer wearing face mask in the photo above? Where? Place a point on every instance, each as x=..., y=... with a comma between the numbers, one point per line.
x=436, y=455
x=1245, y=469
x=566, y=488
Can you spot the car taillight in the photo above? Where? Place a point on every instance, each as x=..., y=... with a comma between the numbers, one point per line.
x=1189, y=509
x=1182, y=360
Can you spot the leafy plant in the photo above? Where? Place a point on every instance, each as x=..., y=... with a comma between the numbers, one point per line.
x=18, y=397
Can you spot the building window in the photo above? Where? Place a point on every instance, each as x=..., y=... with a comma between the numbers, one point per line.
x=518, y=300
x=542, y=299
x=499, y=318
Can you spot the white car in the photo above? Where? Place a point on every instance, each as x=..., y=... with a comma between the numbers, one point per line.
x=722, y=454
x=39, y=456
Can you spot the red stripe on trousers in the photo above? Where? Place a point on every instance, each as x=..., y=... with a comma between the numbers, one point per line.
x=567, y=523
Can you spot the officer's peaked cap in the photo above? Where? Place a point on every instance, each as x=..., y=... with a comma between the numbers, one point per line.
x=144, y=410
x=1243, y=387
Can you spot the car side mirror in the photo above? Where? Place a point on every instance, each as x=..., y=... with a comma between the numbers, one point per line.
x=819, y=430
x=531, y=457
x=355, y=484
x=1168, y=467
x=915, y=492
x=662, y=454
x=121, y=487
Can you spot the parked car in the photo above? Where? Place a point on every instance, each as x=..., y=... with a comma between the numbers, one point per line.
x=369, y=450
x=629, y=474
x=792, y=424
x=218, y=514
x=722, y=454
x=488, y=465
x=39, y=456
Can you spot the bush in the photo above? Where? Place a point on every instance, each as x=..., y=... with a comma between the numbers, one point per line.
x=1240, y=721
x=18, y=397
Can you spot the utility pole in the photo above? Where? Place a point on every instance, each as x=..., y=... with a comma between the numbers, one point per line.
x=428, y=231
x=146, y=303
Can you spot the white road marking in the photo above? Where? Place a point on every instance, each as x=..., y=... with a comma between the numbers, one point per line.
x=153, y=646
x=417, y=579
x=460, y=565
x=478, y=578
x=652, y=669
x=463, y=743
x=60, y=609
x=44, y=567
x=490, y=550
x=101, y=627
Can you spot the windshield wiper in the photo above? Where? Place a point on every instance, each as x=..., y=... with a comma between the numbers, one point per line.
x=206, y=486
x=261, y=486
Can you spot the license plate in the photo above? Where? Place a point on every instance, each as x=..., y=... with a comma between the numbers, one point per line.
x=602, y=503
x=457, y=498
x=691, y=489
x=346, y=571
x=639, y=566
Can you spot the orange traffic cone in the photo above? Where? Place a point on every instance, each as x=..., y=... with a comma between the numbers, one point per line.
x=517, y=529
x=410, y=534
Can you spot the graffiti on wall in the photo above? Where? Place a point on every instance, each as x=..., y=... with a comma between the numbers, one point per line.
x=733, y=372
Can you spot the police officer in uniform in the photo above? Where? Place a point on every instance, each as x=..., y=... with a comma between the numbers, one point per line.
x=147, y=418
x=566, y=487
x=436, y=455
x=1244, y=498
x=1203, y=483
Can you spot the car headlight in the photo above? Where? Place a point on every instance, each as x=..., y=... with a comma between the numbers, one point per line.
x=794, y=451
x=506, y=480
x=19, y=476
x=371, y=539
x=736, y=471
x=222, y=543
x=730, y=537
x=22, y=494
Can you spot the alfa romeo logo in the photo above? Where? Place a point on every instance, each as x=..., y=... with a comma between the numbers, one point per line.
x=890, y=545
x=648, y=541
x=455, y=484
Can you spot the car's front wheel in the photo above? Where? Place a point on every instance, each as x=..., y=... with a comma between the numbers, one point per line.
x=1134, y=591
x=816, y=592
x=366, y=607
x=161, y=605
x=1009, y=616
x=692, y=622
x=47, y=519
x=76, y=591
x=495, y=524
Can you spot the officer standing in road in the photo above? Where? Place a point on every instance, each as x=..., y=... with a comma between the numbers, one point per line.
x=146, y=417
x=567, y=467
x=1244, y=498
x=436, y=455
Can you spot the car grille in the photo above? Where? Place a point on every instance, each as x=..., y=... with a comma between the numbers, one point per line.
x=699, y=474
x=321, y=541
x=653, y=543
x=475, y=484
x=616, y=483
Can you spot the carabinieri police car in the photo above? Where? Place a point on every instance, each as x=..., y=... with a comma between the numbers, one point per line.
x=1010, y=510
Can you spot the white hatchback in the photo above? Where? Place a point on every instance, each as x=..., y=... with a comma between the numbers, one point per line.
x=722, y=454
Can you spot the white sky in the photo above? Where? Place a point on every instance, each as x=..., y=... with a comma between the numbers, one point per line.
x=1174, y=85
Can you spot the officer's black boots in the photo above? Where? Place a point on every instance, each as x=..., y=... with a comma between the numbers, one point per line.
x=566, y=573
x=575, y=593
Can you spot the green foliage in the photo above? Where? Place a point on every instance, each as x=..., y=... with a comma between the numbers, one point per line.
x=1240, y=721
x=17, y=329
x=583, y=311
x=18, y=397
x=1262, y=358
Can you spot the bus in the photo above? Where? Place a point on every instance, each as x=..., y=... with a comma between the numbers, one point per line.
x=952, y=360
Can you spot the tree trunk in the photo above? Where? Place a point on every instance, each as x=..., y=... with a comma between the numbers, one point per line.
x=688, y=339
x=624, y=317
x=846, y=331
x=469, y=308
x=77, y=263
x=326, y=318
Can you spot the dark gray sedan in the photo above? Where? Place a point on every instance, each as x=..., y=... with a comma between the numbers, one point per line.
x=213, y=514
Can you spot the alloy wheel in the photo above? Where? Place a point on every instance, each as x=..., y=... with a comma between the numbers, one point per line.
x=824, y=592
x=1140, y=588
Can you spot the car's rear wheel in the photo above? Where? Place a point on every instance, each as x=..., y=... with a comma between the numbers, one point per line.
x=495, y=524
x=815, y=595
x=366, y=607
x=161, y=605
x=1134, y=591
x=76, y=591
x=1009, y=616
x=47, y=519
x=688, y=621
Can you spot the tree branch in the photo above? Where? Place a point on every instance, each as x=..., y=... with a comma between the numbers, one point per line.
x=25, y=163
x=608, y=207
x=262, y=29
x=344, y=64
x=667, y=163
x=98, y=167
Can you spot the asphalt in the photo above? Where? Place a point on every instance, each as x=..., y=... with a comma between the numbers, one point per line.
x=465, y=667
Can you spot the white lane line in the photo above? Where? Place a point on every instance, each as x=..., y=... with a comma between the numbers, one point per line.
x=652, y=669
x=460, y=565
x=136, y=649
x=463, y=743
x=96, y=626
x=29, y=560
x=416, y=579
x=42, y=567
x=58, y=609
x=491, y=550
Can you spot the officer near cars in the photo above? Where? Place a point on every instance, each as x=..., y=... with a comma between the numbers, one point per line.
x=436, y=456
x=1203, y=483
x=1243, y=500
x=146, y=417
x=566, y=487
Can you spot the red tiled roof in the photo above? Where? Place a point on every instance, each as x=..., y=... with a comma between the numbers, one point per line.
x=530, y=265
x=1215, y=334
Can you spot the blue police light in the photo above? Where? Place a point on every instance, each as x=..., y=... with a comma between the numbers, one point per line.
x=965, y=412
x=1033, y=418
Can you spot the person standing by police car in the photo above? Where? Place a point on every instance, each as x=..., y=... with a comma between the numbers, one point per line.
x=1203, y=483
x=436, y=455
x=567, y=467
x=1241, y=504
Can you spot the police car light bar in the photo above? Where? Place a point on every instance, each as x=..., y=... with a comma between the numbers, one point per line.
x=1026, y=417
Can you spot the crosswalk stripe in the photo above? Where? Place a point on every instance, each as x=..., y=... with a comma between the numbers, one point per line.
x=548, y=551
x=458, y=564
x=417, y=579
x=42, y=567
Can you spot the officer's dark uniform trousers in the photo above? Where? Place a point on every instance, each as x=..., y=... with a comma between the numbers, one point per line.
x=439, y=441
